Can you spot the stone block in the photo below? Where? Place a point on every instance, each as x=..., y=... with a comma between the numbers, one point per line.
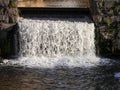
x=116, y=45
x=117, y=18
x=13, y=11
x=109, y=3
x=1, y=17
x=97, y=18
x=113, y=19
x=1, y=11
x=4, y=18
x=99, y=4
x=102, y=28
x=13, y=19
x=110, y=12
x=4, y=3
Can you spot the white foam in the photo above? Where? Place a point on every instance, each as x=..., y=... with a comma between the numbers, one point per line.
x=117, y=75
x=45, y=62
x=56, y=37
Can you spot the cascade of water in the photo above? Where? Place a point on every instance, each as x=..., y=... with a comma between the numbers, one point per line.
x=53, y=38
x=50, y=42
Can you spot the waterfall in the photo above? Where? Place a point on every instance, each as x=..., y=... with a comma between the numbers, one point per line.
x=52, y=38
x=50, y=42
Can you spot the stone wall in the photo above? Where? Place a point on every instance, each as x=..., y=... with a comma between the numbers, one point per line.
x=8, y=24
x=106, y=16
x=8, y=11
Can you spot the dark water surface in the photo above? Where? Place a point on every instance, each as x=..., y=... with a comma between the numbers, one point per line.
x=59, y=78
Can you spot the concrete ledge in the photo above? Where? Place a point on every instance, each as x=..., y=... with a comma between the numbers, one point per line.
x=53, y=3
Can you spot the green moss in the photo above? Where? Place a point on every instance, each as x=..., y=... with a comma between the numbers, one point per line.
x=12, y=4
x=117, y=8
x=118, y=26
x=108, y=22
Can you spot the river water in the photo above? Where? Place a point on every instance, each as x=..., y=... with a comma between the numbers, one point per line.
x=60, y=78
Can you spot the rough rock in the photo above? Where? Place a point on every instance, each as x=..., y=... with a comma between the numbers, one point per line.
x=107, y=21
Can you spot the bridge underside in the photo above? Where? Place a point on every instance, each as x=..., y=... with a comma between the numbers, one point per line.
x=53, y=12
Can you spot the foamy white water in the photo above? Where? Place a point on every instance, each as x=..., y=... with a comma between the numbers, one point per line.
x=54, y=38
x=57, y=42
x=117, y=75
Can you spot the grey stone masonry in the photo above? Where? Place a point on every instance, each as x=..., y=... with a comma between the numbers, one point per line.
x=106, y=16
x=8, y=22
x=8, y=11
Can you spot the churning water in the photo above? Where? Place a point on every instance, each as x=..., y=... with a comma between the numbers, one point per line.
x=53, y=38
x=50, y=42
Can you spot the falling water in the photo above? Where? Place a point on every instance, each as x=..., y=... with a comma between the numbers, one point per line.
x=51, y=38
x=50, y=42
